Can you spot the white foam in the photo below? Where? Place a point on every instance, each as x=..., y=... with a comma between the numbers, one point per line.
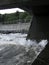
x=18, y=38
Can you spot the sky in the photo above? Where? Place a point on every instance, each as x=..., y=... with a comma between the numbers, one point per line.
x=12, y=10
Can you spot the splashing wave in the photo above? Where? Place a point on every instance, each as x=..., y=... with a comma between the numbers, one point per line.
x=16, y=50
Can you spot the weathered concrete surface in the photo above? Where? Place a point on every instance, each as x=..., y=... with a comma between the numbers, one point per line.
x=33, y=2
x=39, y=28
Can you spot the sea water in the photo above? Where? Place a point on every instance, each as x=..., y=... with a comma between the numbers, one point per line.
x=16, y=50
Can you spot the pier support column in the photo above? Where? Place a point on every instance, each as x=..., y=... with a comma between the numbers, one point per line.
x=39, y=28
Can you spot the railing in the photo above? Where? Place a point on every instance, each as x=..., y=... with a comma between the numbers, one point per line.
x=16, y=21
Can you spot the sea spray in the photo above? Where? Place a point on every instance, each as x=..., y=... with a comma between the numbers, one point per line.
x=16, y=50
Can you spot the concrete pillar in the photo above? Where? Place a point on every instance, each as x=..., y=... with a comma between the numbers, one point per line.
x=39, y=28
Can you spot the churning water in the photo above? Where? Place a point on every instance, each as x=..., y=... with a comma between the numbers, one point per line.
x=16, y=50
